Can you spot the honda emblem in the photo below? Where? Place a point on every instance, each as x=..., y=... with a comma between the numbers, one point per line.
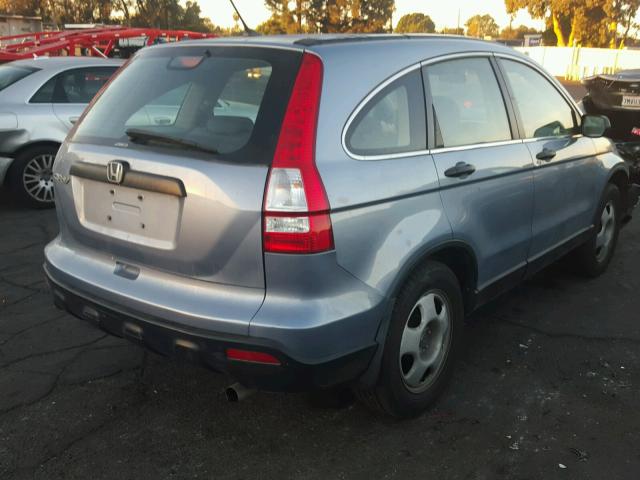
x=115, y=171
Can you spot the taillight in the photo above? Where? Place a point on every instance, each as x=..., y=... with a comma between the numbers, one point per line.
x=296, y=208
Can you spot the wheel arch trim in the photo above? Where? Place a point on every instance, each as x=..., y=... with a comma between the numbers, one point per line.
x=369, y=378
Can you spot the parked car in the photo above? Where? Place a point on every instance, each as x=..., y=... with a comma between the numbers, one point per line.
x=618, y=97
x=341, y=238
x=40, y=100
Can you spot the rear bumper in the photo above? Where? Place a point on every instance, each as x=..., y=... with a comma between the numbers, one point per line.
x=208, y=348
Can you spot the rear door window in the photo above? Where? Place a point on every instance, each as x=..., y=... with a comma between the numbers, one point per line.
x=10, y=74
x=229, y=101
x=468, y=105
x=392, y=122
x=78, y=85
x=543, y=110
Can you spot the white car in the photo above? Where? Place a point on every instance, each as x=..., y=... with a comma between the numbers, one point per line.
x=40, y=100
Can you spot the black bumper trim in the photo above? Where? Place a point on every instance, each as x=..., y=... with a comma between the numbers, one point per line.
x=209, y=349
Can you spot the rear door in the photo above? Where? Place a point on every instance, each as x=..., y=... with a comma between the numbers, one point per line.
x=566, y=192
x=163, y=179
x=69, y=92
x=77, y=88
x=485, y=172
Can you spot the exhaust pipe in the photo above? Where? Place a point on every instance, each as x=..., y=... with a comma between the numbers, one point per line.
x=237, y=392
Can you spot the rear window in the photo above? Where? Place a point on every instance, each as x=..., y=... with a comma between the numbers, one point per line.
x=228, y=100
x=10, y=74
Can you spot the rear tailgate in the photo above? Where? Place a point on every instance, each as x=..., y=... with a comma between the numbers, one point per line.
x=192, y=218
x=166, y=173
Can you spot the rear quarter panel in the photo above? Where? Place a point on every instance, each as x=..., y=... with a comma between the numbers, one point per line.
x=387, y=212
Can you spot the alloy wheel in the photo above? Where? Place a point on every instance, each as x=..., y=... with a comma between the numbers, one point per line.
x=37, y=178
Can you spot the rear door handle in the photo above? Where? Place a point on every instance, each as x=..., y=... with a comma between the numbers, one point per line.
x=546, y=154
x=460, y=169
x=73, y=120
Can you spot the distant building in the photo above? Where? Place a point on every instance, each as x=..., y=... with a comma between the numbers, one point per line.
x=19, y=24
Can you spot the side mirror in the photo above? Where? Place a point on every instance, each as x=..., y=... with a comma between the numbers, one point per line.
x=594, y=126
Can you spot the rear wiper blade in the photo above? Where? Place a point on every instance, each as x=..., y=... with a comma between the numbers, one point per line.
x=144, y=135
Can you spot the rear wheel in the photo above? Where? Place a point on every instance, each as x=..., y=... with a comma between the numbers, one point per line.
x=422, y=343
x=31, y=176
x=592, y=258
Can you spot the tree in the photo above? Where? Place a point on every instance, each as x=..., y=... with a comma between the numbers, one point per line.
x=622, y=14
x=582, y=22
x=272, y=26
x=415, y=23
x=452, y=31
x=286, y=16
x=373, y=16
x=328, y=16
x=482, y=26
x=510, y=33
x=145, y=13
x=61, y=11
x=192, y=19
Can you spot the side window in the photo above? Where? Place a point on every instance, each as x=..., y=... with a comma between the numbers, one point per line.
x=73, y=86
x=543, y=110
x=468, y=105
x=45, y=93
x=393, y=121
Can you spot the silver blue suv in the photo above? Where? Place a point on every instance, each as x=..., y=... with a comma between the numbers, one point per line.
x=311, y=212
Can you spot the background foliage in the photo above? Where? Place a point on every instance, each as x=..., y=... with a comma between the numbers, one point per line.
x=598, y=23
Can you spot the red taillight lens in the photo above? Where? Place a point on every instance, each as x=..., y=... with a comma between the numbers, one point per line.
x=251, y=356
x=296, y=210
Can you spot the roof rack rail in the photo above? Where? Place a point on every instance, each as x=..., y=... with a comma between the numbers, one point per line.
x=312, y=41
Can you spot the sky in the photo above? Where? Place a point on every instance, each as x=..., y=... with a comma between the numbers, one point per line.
x=443, y=12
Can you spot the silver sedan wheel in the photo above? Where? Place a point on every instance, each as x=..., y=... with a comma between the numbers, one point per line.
x=426, y=341
x=37, y=178
x=604, y=238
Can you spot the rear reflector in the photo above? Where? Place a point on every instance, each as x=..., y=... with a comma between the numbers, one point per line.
x=251, y=356
x=296, y=208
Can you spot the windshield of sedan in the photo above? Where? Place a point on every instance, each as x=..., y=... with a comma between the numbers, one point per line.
x=222, y=101
x=10, y=74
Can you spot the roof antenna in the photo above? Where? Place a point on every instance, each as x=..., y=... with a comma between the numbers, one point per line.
x=249, y=32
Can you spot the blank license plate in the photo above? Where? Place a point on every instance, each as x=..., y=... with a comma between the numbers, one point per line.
x=632, y=101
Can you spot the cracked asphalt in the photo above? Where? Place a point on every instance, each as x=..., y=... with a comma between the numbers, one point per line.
x=548, y=387
x=550, y=376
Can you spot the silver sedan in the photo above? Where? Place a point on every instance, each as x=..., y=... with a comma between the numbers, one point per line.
x=40, y=100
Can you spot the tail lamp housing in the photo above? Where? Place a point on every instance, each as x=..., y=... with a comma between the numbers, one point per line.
x=296, y=208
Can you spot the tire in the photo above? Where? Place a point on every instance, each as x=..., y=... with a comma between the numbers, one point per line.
x=30, y=176
x=405, y=388
x=592, y=258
